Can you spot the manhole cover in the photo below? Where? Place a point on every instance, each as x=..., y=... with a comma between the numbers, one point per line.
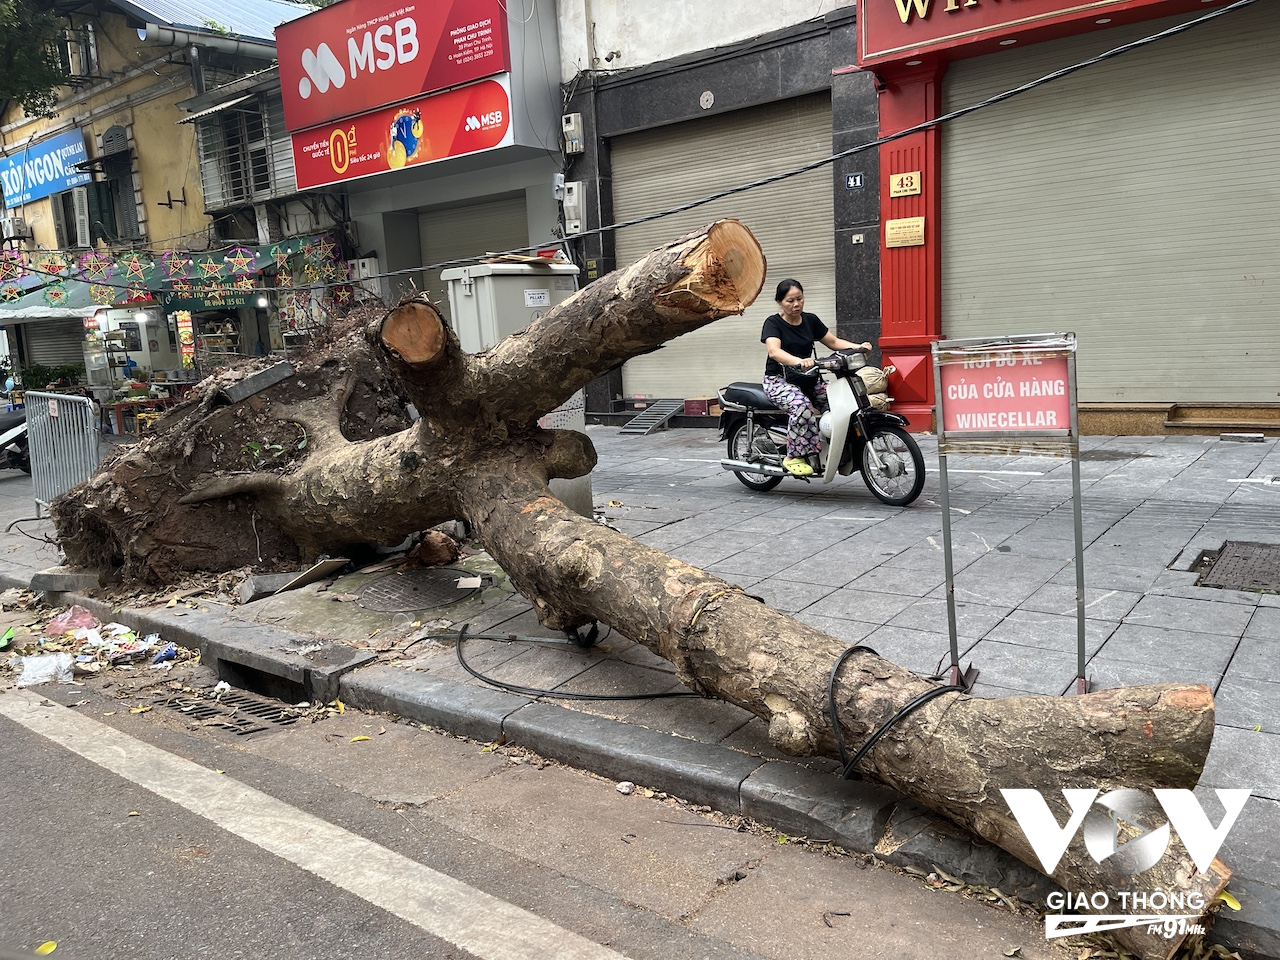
x=1243, y=566
x=403, y=591
x=241, y=713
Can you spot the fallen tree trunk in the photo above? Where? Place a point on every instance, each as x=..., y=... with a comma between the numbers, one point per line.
x=345, y=470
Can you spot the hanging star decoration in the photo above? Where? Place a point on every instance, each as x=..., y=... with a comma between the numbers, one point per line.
x=101, y=294
x=10, y=292
x=244, y=283
x=241, y=261
x=183, y=288
x=137, y=294
x=281, y=256
x=342, y=294
x=55, y=294
x=97, y=267
x=310, y=273
x=341, y=270
x=53, y=264
x=176, y=265
x=209, y=268
x=13, y=264
x=325, y=248
x=308, y=250
x=134, y=268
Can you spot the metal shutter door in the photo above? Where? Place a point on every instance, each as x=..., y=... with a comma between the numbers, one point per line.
x=54, y=342
x=1133, y=202
x=468, y=233
x=793, y=220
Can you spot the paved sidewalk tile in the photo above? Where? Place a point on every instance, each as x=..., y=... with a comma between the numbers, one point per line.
x=1265, y=622
x=974, y=620
x=1018, y=667
x=1052, y=631
x=865, y=605
x=1248, y=703
x=1256, y=658
x=1200, y=616
x=1243, y=759
x=1141, y=643
x=927, y=654
x=1060, y=598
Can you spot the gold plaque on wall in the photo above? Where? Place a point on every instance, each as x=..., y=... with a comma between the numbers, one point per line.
x=907, y=232
x=905, y=184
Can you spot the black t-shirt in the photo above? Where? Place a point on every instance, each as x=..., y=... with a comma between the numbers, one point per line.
x=797, y=341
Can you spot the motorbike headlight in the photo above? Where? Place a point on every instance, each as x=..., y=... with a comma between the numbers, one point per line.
x=824, y=425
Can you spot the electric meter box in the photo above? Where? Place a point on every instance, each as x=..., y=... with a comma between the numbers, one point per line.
x=490, y=301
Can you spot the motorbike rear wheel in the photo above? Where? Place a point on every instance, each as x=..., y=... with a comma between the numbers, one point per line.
x=900, y=477
x=748, y=441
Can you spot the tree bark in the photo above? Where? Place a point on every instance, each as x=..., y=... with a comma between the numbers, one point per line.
x=346, y=468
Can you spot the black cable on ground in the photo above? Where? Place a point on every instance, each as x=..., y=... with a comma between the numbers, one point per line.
x=553, y=694
x=850, y=771
x=850, y=766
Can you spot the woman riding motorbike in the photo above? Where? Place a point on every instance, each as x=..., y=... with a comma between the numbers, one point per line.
x=789, y=336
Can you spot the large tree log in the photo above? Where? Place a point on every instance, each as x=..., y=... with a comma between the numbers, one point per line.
x=350, y=472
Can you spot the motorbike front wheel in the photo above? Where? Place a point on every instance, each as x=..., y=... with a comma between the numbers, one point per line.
x=899, y=477
x=747, y=442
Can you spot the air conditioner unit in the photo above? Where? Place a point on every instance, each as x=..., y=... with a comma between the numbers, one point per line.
x=14, y=228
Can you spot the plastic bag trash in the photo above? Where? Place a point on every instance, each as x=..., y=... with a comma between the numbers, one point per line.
x=73, y=618
x=222, y=687
x=45, y=668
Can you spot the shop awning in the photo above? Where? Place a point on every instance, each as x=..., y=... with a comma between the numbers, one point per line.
x=226, y=104
x=71, y=302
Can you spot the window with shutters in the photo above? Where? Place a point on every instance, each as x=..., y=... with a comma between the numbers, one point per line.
x=76, y=51
x=73, y=217
x=240, y=154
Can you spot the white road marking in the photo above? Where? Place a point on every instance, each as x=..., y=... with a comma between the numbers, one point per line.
x=436, y=903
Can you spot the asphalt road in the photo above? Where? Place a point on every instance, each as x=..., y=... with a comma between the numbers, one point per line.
x=151, y=836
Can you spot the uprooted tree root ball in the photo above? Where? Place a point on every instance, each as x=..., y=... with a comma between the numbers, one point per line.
x=126, y=521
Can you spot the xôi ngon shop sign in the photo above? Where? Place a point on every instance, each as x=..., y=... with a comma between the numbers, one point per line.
x=43, y=169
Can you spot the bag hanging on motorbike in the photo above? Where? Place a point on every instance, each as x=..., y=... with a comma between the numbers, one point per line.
x=877, y=380
x=880, y=401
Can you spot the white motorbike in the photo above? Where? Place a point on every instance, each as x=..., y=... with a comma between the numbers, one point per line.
x=14, y=443
x=855, y=436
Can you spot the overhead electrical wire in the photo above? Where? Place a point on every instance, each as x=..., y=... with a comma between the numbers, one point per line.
x=817, y=164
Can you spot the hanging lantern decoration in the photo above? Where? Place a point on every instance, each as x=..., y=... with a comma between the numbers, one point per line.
x=244, y=283
x=10, y=292
x=325, y=249
x=281, y=256
x=102, y=294
x=209, y=268
x=135, y=271
x=96, y=267
x=241, y=261
x=176, y=264
x=52, y=264
x=137, y=295
x=343, y=294
x=13, y=264
x=55, y=294
x=310, y=273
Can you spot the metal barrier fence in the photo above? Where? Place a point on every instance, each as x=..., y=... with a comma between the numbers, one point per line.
x=65, y=443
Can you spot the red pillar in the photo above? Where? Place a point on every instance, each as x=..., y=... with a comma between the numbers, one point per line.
x=910, y=277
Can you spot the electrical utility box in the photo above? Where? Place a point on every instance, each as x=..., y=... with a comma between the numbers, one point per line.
x=490, y=301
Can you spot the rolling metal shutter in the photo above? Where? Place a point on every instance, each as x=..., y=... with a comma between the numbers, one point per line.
x=468, y=233
x=1134, y=202
x=792, y=219
x=54, y=342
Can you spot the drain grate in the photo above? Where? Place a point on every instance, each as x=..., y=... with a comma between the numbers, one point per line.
x=1243, y=566
x=241, y=713
x=404, y=591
